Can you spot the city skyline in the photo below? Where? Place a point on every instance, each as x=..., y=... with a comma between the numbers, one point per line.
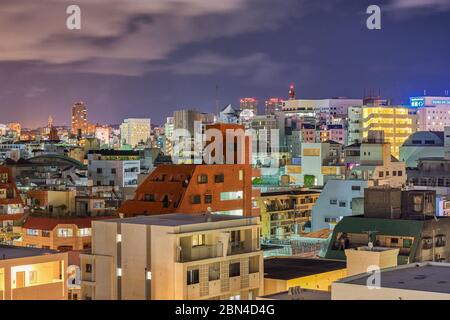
x=141, y=59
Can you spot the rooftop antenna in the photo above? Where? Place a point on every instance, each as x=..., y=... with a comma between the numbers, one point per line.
x=446, y=93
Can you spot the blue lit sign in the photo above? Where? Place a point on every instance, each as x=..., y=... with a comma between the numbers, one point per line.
x=440, y=101
x=417, y=102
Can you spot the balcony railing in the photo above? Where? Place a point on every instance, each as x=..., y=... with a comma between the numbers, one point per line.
x=201, y=252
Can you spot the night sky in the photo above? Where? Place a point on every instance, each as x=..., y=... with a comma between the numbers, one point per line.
x=146, y=58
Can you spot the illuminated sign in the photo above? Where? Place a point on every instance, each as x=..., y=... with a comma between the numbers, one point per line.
x=440, y=101
x=417, y=102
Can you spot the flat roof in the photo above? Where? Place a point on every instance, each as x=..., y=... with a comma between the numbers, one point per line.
x=426, y=276
x=177, y=219
x=286, y=268
x=288, y=193
x=14, y=252
x=306, y=294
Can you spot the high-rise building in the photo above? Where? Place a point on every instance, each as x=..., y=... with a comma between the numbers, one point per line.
x=190, y=120
x=249, y=104
x=15, y=128
x=395, y=121
x=79, y=119
x=273, y=105
x=135, y=131
x=433, y=113
x=103, y=133
x=184, y=119
x=168, y=133
x=174, y=256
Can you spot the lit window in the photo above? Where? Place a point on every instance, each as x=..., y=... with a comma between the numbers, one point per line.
x=32, y=232
x=65, y=232
x=84, y=232
x=198, y=240
x=119, y=238
x=233, y=195
x=119, y=272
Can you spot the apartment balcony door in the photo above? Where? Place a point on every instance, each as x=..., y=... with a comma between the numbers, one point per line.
x=20, y=279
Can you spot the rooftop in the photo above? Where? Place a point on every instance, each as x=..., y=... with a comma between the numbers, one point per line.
x=306, y=294
x=426, y=276
x=286, y=268
x=177, y=219
x=288, y=193
x=13, y=252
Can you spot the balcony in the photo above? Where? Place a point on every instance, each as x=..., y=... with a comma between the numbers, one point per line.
x=215, y=288
x=48, y=291
x=239, y=248
x=193, y=291
x=253, y=279
x=201, y=253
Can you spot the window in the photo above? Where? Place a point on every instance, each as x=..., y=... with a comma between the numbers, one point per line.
x=113, y=171
x=111, y=183
x=235, y=269
x=196, y=199
x=88, y=268
x=208, y=198
x=381, y=174
x=394, y=241
x=394, y=173
x=32, y=232
x=33, y=276
x=235, y=236
x=333, y=201
x=45, y=233
x=342, y=204
x=400, y=173
x=356, y=188
x=203, y=178
x=99, y=170
x=219, y=178
x=214, y=271
x=193, y=276
x=241, y=175
x=65, y=232
x=84, y=232
x=233, y=195
x=407, y=243
x=198, y=240
x=387, y=173
x=149, y=197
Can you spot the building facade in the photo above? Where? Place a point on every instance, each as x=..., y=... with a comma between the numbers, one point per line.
x=135, y=131
x=174, y=257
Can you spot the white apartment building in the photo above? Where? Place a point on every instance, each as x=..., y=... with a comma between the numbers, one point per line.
x=114, y=167
x=174, y=257
x=327, y=111
x=433, y=113
x=102, y=133
x=135, y=131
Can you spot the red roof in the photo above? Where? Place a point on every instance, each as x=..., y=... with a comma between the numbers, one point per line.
x=50, y=223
